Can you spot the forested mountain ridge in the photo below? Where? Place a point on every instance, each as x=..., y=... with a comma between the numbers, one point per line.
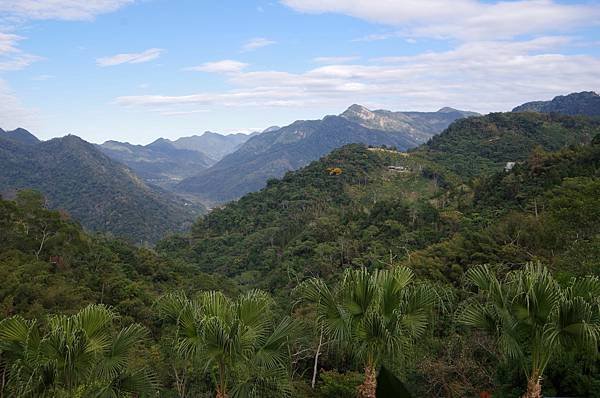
x=158, y=163
x=586, y=103
x=314, y=222
x=271, y=154
x=481, y=145
x=100, y=193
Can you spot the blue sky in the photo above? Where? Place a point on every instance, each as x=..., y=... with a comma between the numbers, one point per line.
x=135, y=70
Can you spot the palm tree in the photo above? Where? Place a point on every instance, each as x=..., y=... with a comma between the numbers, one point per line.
x=236, y=341
x=78, y=355
x=375, y=316
x=532, y=317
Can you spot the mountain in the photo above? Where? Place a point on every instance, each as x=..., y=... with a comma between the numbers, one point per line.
x=382, y=206
x=483, y=145
x=159, y=163
x=586, y=103
x=19, y=135
x=419, y=126
x=99, y=192
x=213, y=145
x=273, y=153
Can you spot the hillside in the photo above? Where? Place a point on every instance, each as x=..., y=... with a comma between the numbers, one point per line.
x=271, y=154
x=485, y=144
x=383, y=203
x=158, y=163
x=98, y=192
x=586, y=103
x=48, y=263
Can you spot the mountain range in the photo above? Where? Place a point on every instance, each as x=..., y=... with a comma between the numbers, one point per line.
x=146, y=192
x=213, y=145
x=165, y=162
x=272, y=154
x=422, y=207
x=102, y=194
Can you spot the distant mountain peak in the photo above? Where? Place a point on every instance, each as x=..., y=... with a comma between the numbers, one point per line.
x=359, y=112
x=161, y=143
x=447, y=109
x=20, y=135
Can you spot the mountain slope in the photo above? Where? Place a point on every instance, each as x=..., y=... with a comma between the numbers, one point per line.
x=100, y=193
x=586, y=103
x=213, y=145
x=158, y=163
x=483, y=145
x=385, y=206
x=271, y=154
x=419, y=126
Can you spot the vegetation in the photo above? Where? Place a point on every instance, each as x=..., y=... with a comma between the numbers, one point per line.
x=236, y=342
x=532, y=317
x=376, y=316
x=378, y=264
x=69, y=356
x=103, y=195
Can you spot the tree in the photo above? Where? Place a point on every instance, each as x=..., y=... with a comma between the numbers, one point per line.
x=78, y=355
x=373, y=315
x=236, y=341
x=532, y=317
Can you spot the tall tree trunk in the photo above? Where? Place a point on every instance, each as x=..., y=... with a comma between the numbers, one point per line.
x=534, y=385
x=222, y=387
x=369, y=387
x=316, y=365
x=221, y=393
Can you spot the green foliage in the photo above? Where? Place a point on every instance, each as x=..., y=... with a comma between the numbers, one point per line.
x=339, y=385
x=76, y=355
x=48, y=264
x=531, y=317
x=101, y=194
x=483, y=145
x=237, y=342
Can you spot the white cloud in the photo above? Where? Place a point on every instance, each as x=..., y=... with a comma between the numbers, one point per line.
x=224, y=66
x=335, y=60
x=462, y=19
x=59, y=9
x=130, y=58
x=483, y=76
x=256, y=43
x=11, y=57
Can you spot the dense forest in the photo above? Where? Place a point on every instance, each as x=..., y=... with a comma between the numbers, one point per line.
x=434, y=272
x=102, y=194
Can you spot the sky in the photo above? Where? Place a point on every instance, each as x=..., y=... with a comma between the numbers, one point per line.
x=136, y=70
